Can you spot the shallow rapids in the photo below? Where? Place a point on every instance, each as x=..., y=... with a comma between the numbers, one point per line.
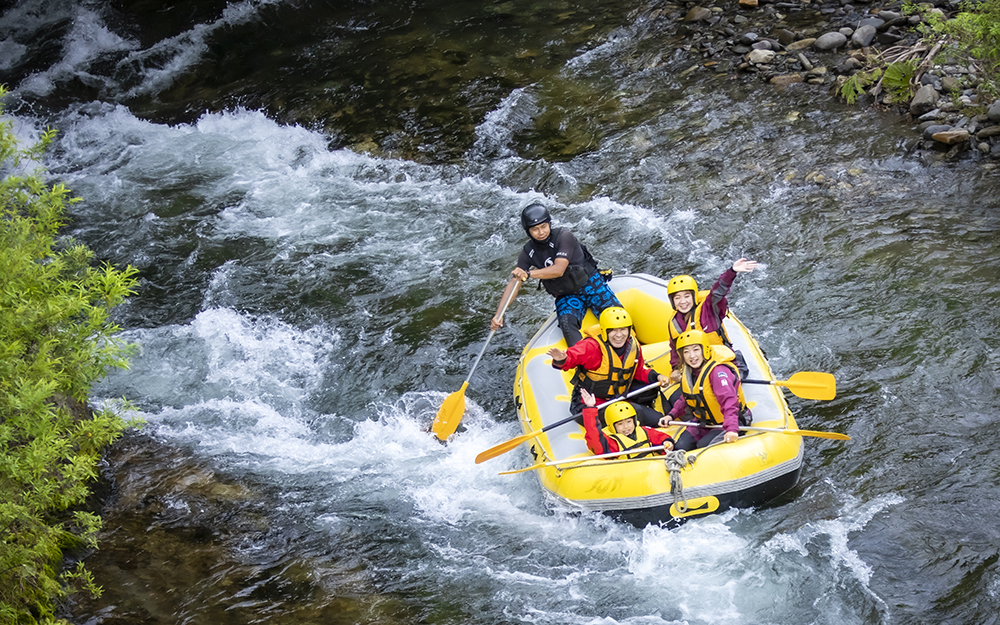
x=320, y=252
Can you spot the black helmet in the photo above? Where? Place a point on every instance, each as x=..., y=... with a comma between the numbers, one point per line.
x=534, y=214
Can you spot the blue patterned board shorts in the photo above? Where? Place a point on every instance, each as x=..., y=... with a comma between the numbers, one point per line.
x=594, y=295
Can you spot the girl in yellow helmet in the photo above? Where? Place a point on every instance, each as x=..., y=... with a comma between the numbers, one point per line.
x=701, y=310
x=622, y=433
x=711, y=390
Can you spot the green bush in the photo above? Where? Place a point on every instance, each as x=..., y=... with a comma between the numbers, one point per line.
x=977, y=30
x=56, y=340
x=971, y=35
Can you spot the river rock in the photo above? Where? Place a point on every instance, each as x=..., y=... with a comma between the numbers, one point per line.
x=787, y=79
x=762, y=45
x=888, y=15
x=994, y=112
x=698, y=14
x=748, y=3
x=759, y=57
x=846, y=31
x=785, y=37
x=874, y=22
x=932, y=129
x=830, y=41
x=801, y=44
x=888, y=39
x=924, y=101
x=849, y=64
x=988, y=132
x=864, y=36
x=950, y=84
x=951, y=137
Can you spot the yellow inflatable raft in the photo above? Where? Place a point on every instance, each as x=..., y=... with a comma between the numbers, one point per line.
x=755, y=469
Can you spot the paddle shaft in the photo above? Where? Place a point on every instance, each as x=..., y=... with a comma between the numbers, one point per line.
x=614, y=454
x=837, y=436
x=504, y=447
x=513, y=285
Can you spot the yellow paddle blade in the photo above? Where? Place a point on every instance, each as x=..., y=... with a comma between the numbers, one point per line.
x=811, y=385
x=502, y=448
x=836, y=436
x=450, y=414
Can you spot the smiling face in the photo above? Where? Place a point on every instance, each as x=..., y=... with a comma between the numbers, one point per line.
x=540, y=232
x=692, y=355
x=683, y=301
x=625, y=426
x=617, y=337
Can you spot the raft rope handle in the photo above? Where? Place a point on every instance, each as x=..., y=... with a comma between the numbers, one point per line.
x=677, y=460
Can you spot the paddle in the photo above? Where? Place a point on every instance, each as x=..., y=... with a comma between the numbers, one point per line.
x=613, y=454
x=806, y=384
x=837, y=436
x=453, y=406
x=502, y=448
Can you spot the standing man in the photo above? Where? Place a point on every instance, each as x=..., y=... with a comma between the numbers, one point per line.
x=567, y=271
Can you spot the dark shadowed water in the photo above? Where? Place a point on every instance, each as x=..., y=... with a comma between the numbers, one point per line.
x=322, y=200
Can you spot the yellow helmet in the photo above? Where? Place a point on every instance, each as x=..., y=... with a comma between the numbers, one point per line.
x=614, y=317
x=695, y=337
x=680, y=283
x=618, y=411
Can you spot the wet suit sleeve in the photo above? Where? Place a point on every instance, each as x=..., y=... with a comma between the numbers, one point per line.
x=523, y=262
x=569, y=248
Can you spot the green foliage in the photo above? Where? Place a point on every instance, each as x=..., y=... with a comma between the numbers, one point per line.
x=977, y=30
x=973, y=34
x=898, y=77
x=855, y=85
x=56, y=340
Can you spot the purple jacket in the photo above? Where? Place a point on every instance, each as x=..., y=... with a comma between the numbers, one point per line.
x=724, y=384
x=712, y=313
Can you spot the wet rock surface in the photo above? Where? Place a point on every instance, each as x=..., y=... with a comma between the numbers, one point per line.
x=802, y=45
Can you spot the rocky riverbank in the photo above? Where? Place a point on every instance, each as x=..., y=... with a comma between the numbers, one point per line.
x=824, y=43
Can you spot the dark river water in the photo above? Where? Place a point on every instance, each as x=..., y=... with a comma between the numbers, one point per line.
x=322, y=199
